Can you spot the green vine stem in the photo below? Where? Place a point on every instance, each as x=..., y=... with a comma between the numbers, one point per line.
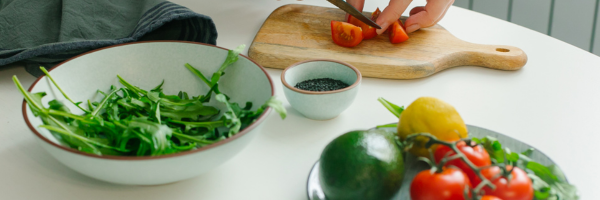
x=453, y=145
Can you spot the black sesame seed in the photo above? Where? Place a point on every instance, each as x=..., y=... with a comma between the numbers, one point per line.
x=321, y=84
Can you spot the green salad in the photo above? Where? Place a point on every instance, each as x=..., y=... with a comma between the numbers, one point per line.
x=130, y=121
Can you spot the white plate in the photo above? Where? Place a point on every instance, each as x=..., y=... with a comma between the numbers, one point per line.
x=413, y=166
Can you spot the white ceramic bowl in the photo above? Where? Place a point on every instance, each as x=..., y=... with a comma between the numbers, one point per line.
x=322, y=105
x=146, y=64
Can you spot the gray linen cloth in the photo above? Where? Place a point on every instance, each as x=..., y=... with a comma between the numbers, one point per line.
x=46, y=32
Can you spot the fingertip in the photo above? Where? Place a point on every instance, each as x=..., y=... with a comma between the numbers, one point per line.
x=391, y=14
x=413, y=28
x=384, y=25
x=417, y=21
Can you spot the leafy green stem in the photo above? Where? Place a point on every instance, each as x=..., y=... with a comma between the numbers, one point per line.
x=131, y=87
x=199, y=74
x=61, y=91
x=27, y=95
x=192, y=138
x=200, y=124
x=102, y=103
x=393, y=108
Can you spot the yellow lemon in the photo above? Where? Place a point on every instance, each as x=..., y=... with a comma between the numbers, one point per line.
x=434, y=116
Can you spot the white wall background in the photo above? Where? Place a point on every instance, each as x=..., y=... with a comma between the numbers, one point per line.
x=572, y=21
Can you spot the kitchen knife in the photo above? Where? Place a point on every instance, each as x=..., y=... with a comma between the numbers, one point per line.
x=355, y=13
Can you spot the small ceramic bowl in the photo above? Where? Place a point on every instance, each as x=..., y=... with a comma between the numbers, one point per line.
x=322, y=105
x=146, y=64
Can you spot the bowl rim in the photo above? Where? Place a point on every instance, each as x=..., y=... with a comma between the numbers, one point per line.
x=243, y=132
x=356, y=83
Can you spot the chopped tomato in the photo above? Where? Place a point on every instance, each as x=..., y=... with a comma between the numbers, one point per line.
x=397, y=32
x=368, y=32
x=375, y=14
x=346, y=34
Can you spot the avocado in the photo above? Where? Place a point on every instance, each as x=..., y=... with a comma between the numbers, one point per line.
x=361, y=165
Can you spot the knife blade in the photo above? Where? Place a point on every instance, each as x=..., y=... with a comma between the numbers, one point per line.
x=355, y=13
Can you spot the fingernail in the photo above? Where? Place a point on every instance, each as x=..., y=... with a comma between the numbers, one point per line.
x=384, y=26
x=413, y=28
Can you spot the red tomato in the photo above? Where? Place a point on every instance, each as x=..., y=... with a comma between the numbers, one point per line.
x=477, y=155
x=487, y=197
x=518, y=188
x=345, y=34
x=447, y=185
x=368, y=32
x=397, y=33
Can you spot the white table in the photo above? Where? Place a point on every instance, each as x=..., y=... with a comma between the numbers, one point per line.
x=552, y=104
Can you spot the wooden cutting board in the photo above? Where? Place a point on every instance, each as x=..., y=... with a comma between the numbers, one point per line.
x=294, y=33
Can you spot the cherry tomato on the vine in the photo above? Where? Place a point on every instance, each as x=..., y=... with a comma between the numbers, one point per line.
x=477, y=155
x=519, y=187
x=487, y=197
x=449, y=184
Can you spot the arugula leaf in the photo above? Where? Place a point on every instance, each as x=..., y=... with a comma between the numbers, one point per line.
x=132, y=88
x=276, y=105
x=159, y=134
x=231, y=120
x=159, y=87
x=209, y=125
x=192, y=111
x=494, y=148
x=232, y=57
x=103, y=103
x=199, y=74
x=541, y=188
x=542, y=171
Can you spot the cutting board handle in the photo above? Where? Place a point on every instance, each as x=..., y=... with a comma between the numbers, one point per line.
x=492, y=56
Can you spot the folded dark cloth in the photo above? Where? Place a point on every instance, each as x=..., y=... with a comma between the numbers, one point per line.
x=45, y=32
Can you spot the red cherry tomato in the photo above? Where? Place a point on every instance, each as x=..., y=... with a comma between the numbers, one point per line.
x=345, y=34
x=487, y=197
x=518, y=188
x=450, y=184
x=368, y=32
x=397, y=33
x=477, y=155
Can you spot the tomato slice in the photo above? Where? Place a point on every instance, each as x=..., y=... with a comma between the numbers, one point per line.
x=346, y=34
x=368, y=32
x=397, y=32
x=375, y=14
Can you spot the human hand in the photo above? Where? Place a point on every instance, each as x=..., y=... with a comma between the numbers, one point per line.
x=420, y=17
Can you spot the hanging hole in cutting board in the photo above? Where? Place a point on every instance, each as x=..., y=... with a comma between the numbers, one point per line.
x=502, y=50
